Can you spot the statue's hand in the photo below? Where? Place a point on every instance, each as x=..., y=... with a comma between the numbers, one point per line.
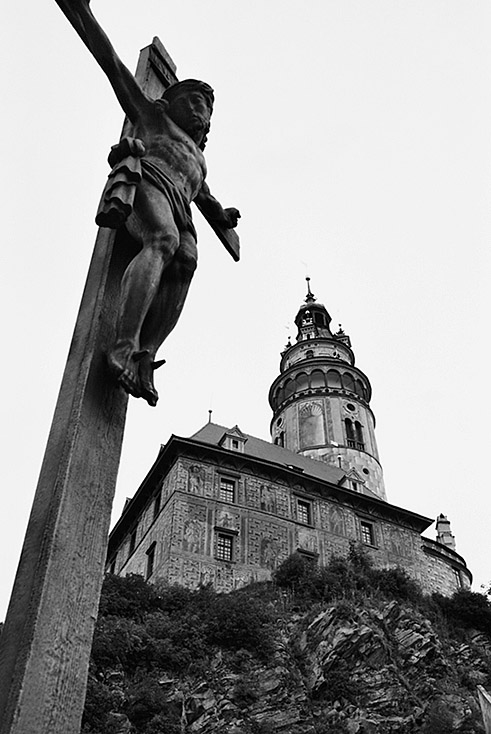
x=231, y=217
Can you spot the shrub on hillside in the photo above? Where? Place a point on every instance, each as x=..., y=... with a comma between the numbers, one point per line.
x=128, y=596
x=344, y=577
x=466, y=610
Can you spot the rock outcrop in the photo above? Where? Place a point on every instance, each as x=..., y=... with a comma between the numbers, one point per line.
x=370, y=667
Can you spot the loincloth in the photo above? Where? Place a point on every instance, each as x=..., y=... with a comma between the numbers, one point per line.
x=181, y=211
x=128, y=168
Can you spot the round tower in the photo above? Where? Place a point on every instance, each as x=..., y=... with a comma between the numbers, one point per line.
x=321, y=401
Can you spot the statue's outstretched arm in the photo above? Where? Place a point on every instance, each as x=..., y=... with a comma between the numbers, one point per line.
x=214, y=210
x=130, y=95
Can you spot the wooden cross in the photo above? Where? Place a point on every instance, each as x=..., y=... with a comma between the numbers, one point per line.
x=46, y=641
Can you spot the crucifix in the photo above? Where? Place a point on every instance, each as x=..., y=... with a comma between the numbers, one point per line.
x=47, y=636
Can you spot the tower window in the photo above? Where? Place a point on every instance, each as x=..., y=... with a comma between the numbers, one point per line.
x=302, y=382
x=317, y=379
x=348, y=382
x=350, y=434
x=280, y=439
x=224, y=547
x=360, y=443
x=333, y=379
x=304, y=512
x=367, y=533
x=226, y=491
x=309, y=354
x=457, y=577
x=132, y=541
x=150, y=560
x=289, y=388
x=360, y=389
x=156, y=505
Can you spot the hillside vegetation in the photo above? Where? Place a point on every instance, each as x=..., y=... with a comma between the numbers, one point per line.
x=342, y=649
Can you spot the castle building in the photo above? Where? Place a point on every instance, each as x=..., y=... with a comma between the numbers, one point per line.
x=226, y=508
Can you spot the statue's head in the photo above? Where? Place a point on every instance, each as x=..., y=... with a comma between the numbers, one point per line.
x=191, y=106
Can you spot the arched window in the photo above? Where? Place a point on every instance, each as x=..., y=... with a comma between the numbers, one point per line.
x=333, y=379
x=317, y=379
x=309, y=354
x=350, y=434
x=302, y=382
x=289, y=388
x=278, y=396
x=280, y=439
x=360, y=443
x=348, y=382
x=360, y=389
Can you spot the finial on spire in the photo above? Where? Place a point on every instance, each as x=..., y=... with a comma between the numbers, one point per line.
x=209, y=415
x=310, y=296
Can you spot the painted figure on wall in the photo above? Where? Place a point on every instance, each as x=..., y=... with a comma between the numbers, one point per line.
x=311, y=420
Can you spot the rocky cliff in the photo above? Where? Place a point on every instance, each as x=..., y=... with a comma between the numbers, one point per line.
x=359, y=663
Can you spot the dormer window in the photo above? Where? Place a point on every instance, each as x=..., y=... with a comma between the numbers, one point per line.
x=234, y=440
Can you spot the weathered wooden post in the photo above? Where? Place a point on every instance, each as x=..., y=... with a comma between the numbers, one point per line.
x=485, y=703
x=46, y=641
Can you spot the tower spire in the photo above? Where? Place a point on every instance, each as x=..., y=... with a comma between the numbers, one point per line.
x=310, y=298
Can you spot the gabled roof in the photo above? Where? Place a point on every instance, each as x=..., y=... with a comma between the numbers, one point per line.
x=212, y=434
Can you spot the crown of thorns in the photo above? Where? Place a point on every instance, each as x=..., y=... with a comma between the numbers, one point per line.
x=190, y=85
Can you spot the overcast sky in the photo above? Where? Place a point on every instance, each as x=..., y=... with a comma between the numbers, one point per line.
x=355, y=138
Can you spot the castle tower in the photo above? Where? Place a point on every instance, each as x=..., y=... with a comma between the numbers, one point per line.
x=321, y=401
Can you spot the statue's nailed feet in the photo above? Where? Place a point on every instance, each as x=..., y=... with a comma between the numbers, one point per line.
x=123, y=364
x=147, y=367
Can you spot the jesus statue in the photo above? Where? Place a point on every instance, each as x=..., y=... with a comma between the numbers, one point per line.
x=165, y=158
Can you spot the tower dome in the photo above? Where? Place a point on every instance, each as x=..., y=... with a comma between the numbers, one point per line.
x=321, y=401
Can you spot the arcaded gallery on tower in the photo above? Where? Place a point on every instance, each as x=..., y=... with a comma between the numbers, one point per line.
x=226, y=508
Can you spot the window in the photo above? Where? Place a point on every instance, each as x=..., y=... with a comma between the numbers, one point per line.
x=360, y=443
x=304, y=512
x=317, y=379
x=354, y=486
x=350, y=434
x=132, y=541
x=112, y=566
x=302, y=382
x=226, y=491
x=367, y=534
x=348, y=382
x=156, y=505
x=150, y=560
x=235, y=444
x=333, y=379
x=224, y=547
x=458, y=579
x=309, y=354
x=280, y=439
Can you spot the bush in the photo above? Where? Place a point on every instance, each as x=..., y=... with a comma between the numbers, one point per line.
x=350, y=577
x=98, y=703
x=466, y=610
x=127, y=596
x=237, y=623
